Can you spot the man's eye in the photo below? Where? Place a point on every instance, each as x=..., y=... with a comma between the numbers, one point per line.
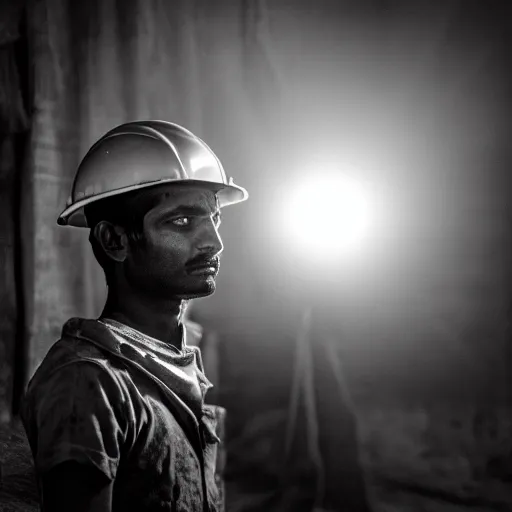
x=181, y=221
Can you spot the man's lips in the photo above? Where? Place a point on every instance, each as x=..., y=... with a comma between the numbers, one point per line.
x=204, y=271
x=205, y=267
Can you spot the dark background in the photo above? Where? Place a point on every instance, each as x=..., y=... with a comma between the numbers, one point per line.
x=415, y=95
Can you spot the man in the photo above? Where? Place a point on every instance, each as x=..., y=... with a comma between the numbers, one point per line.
x=115, y=414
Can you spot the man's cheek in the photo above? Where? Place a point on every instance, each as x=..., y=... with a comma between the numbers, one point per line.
x=172, y=244
x=178, y=244
x=171, y=260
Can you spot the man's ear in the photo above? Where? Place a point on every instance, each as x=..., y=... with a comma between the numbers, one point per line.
x=112, y=239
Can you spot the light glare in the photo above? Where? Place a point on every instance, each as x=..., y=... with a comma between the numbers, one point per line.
x=328, y=216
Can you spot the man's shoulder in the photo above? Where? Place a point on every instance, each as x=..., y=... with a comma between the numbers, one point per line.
x=68, y=353
x=69, y=350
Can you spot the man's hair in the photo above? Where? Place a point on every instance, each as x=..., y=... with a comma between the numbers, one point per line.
x=117, y=211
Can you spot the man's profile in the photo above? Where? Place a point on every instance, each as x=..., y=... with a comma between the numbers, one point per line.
x=115, y=414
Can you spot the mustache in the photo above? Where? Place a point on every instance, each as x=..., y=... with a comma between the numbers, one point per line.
x=204, y=261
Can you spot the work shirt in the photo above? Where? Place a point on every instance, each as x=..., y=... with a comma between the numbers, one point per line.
x=132, y=407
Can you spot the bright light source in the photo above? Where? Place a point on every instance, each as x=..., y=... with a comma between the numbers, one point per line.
x=328, y=215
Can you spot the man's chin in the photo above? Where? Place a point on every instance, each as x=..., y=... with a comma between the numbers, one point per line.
x=204, y=291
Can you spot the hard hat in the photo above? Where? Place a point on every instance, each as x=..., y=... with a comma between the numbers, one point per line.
x=142, y=154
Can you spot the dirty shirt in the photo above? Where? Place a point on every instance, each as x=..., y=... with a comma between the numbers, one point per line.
x=131, y=406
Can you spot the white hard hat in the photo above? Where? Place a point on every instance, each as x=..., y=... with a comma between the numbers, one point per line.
x=143, y=154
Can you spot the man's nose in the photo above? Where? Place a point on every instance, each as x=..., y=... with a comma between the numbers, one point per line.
x=210, y=240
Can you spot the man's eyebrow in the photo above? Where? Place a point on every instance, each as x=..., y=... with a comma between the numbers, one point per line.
x=190, y=210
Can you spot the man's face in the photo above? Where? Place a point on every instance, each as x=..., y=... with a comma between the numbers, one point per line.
x=179, y=256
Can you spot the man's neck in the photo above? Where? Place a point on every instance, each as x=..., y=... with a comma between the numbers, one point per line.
x=158, y=320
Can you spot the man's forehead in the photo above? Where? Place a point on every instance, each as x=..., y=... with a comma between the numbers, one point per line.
x=175, y=196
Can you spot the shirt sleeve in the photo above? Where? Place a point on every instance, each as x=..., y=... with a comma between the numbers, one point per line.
x=78, y=417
